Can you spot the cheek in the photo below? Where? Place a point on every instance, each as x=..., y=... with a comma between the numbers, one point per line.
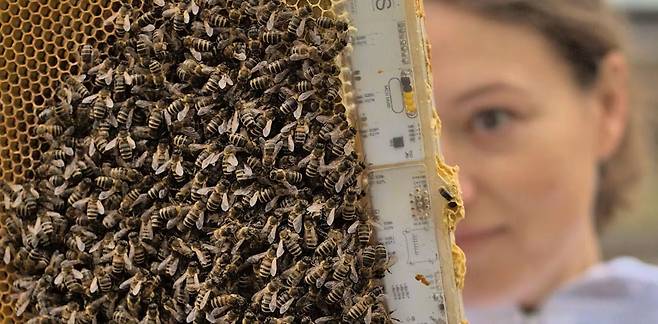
x=548, y=185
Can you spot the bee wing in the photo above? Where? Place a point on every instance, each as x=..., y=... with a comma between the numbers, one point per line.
x=291, y=143
x=159, y=3
x=77, y=274
x=191, y=315
x=199, y=221
x=180, y=280
x=225, y=204
x=126, y=22
x=181, y=114
x=96, y=246
x=273, y=301
x=254, y=199
x=268, y=128
x=89, y=99
x=272, y=235
x=59, y=278
x=255, y=258
x=284, y=308
x=301, y=27
x=37, y=226
x=271, y=21
x=186, y=17
x=297, y=223
x=298, y=112
x=340, y=183
x=79, y=243
x=207, y=28
x=196, y=54
x=167, y=117
x=131, y=142
x=81, y=204
x=331, y=217
x=110, y=145
x=235, y=122
x=138, y=286
x=232, y=160
x=368, y=318
x=179, y=168
x=320, y=281
x=128, y=261
x=100, y=207
x=204, y=299
x=7, y=255
x=273, y=268
x=210, y=160
x=94, y=285
x=280, y=249
x=352, y=228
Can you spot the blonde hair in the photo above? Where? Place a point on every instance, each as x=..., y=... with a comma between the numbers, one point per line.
x=583, y=32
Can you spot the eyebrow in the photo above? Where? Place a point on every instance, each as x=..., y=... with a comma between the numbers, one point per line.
x=486, y=89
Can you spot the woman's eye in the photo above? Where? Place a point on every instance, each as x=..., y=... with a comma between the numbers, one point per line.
x=490, y=120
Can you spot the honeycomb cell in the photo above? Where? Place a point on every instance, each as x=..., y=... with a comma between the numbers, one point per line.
x=23, y=3
x=18, y=45
x=59, y=41
x=31, y=64
x=4, y=5
x=9, y=177
x=24, y=14
x=4, y=87
x=29, y=50
x=47, y=23
x=38, y=44
x=13, y=9
x=52, y=61
x=7, y=41
x=10, y=55
x=8, y=110
x=15, y=22
x=24, y=82
x=20, y=59
x=28, y=108
x=21, y=70
x=79, y=38
x=18, y=169
x=27, y=95
x=13, y=77
x=4, y=17
x=66, y=20
x=36, y=155
x=65, y=8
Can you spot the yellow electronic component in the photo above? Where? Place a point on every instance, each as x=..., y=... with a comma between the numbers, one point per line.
x=408, y=96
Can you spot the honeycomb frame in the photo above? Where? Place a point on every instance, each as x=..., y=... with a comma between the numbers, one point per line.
x=39, y=42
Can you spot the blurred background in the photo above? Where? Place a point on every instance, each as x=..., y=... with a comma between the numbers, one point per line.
x=636, y=232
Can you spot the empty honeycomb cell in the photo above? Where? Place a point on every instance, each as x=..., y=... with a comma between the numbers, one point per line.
x=38, y=44
x=18, y=169
x=47, y=23
x=6, y=299
x=96, y=11
x=70, y=43
x=27, y=95
x=15, y=22
x=63, y=65
x=34, y=86
x=13, y=147
x=10, y=121
x=65, y=7
x=35, y=19
x=20, y=59
x=24, y=14
x=7, y=41
x=28, y=108
x=47, y=92
x=29, y=50
x=29, y=174
x=31, y=64
x=41, y=68
x=36, y=155
x=86, y=17
x=15, y=91
x=59, y=41
x=12, y=134
x=21, y=70
x=87, y=29
x=57, y=27
x=4, y=87
x=60, y=52
x=66, y=20
x=21, y=128
x=52, y=61
x=5, y=97
x=8, y=110
x=23, y=3
x=30, y=118
x=4, y=16
x=53, y=73
x=10, y=56
x=34, y=144
x=84, y=4
x=4, y=5
x=13, y=77
x=38, y=100
x=27, y=37
x=4, y=142
x=6, y=309
x=13, y=9
x=24, y=82
x=76, y=25
x=79, y=38
x=18, y=45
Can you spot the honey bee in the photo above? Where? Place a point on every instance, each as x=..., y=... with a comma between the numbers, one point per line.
x=317, y=275
x=119, y=258
x=328, y=246
x=261, y=83
x=290, y=241
x=294, y=275
x=69, y=277
x=296, y=26
x=363, y=304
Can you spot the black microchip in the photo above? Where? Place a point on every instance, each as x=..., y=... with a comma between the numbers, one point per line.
x=397, y=142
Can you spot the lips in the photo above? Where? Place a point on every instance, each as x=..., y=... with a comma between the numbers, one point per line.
x=466, y=236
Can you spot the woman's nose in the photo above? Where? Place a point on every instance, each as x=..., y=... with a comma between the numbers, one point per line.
x=455, y=157
x=467, y=186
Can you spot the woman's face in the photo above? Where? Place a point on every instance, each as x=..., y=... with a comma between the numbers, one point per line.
x=527, y=141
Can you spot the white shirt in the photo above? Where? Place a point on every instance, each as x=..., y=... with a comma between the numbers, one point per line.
x=624, y=290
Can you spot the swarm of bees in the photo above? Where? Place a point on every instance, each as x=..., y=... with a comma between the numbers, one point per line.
x=202, y=168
